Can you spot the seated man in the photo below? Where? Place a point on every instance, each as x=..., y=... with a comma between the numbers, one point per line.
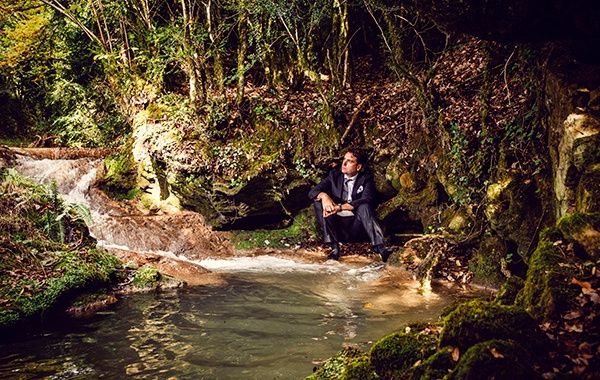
x=343, y=204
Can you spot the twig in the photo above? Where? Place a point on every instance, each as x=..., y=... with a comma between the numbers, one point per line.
x=357, y=111
x=504, y=75
x=537, y=228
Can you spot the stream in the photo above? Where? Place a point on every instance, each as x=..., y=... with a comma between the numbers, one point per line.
x=270, y=317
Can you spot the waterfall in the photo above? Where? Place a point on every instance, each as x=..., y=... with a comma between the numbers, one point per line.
x=182, y=236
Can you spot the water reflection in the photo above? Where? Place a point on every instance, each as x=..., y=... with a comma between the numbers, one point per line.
x=257, y=326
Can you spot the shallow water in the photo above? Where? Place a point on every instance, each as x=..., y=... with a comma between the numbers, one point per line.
x=273, y=324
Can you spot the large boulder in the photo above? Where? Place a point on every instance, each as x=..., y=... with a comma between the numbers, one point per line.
x=548, y=291
x=576, y=155
x=233, y=185
x=515, y=212
x=477, y=321
x=495, y=359
x=396, y=353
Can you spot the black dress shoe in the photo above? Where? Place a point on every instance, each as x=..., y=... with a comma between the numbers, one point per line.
x=383, y=251
x=335, y=253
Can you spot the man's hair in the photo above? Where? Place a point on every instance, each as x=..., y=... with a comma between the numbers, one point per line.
x=360, y=154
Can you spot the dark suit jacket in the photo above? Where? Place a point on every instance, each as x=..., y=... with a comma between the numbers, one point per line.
x=362, y=192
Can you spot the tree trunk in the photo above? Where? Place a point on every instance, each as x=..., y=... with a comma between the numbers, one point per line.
x=212, y=19
x=191, y=57
x=242, y=50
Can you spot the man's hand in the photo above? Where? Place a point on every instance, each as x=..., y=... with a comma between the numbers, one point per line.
x=329, y=207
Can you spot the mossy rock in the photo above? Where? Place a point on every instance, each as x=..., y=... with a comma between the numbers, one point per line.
x=548, y=291
x=495, y=359
x=588, y=190
x=265, y=200
x=348, y=364
x=74, y=273
x=119, y=173
x=507, y=294
x=394, y=354
x=583, y=229
x=477, y=321
x=146, y=277
x=436, y=366
x=303, y=228
x=514, y=211
x=419, y=204
x=359, y=368
x=486, y=261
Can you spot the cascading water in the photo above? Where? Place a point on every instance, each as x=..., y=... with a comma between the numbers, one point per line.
x=271, y=317
x=181, y=236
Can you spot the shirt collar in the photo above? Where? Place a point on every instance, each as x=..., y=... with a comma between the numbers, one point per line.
x=347, y=177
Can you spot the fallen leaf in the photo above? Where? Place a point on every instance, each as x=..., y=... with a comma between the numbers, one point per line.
x=592, y=293
x=495, y=353
x=583, y=284
x=572, y=315
x=574, y=328
x=455, y=354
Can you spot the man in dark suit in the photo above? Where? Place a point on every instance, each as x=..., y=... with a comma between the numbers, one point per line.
x=343, y=203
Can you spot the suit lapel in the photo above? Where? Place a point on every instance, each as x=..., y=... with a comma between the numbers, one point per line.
x=357, y=184
x=340, y=184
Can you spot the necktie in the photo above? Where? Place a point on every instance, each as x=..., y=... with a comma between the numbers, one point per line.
x=347, y=194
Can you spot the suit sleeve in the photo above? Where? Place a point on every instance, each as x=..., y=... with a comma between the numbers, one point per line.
x=368, y=194
x=322, y=187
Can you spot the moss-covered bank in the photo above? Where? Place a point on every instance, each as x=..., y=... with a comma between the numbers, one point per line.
x=47, y=257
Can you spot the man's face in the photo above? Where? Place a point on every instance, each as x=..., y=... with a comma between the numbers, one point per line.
x=349, y=165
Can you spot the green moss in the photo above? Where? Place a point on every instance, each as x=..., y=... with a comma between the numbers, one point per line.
x=302, y=229
x=392, y=355
x=495, y=359
x=509, y=290
x=486, y=262
x=547, y=289
x=572, y=224
x=514, y=211
x=436, y=366
x=345, y=364
x=359, y=369
x=120, y=174
x=588, y=190
x=73, y=273
x=584, y=230
x=146, y=277
x=477, y=321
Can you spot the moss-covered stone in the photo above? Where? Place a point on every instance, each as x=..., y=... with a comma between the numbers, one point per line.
x=359, y=368
x=587, y=196
x=507, y=294
x=583, y=229
x=477, y=321
x=73, y=273
x=486, y=262
x=392, y=355
x=495, y=359
x=146, y=277
x=302, y=229
x=348, y=364
x=418, y=203
x=436, y=366
x=547, y=291
x=514, y=211
x=119, y=174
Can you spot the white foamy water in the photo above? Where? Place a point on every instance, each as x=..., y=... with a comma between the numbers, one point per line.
x=268, y=264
